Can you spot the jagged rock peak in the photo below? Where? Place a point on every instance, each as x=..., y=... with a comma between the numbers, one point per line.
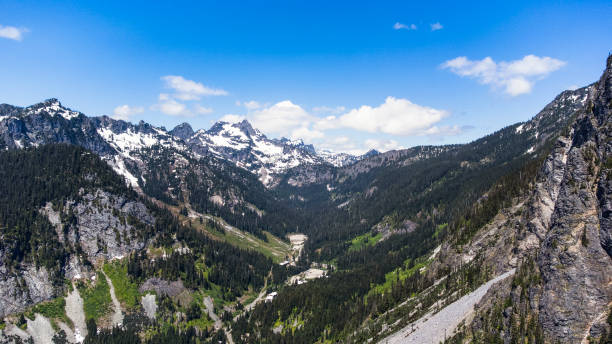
x=52, y=107
x=217, y=127
x=246, y=127
x=182, y=131
x=298, y=143
x=8, y=110
x=371, y=152
x=52, y=101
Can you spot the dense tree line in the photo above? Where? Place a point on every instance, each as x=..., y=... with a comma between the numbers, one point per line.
x=158, y=334
x=57, y=173
x=228, y=266
x=31, y=178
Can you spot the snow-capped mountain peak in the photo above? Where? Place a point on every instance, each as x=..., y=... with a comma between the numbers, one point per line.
x=344, y=159
x=125, y=145
x=53, y=108
x=249, y=148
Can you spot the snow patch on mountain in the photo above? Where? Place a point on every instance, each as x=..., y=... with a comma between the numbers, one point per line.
x=128, y=141
x=54, y=108
x=131, y=140
x=519, y=129
x=118, y=165
x=337, y=159
x=252, y=150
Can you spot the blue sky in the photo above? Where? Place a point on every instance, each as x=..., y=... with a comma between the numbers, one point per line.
x=346, y=76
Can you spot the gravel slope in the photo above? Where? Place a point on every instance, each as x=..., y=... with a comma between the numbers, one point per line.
x=75, y=312
x=117, y=318
x=431, y=328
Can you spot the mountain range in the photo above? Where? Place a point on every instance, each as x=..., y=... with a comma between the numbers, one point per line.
x=240, y=143
x=226, y=235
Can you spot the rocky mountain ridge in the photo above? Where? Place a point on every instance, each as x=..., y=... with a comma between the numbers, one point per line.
x=556, y=236
x=116, y=140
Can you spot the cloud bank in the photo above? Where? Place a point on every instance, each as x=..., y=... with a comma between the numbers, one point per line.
x=184, y=90
x=123, y=112
x=395, y=116
x=514, y=77
x=190, y=90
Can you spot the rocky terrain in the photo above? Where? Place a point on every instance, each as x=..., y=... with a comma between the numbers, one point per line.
x=558, y=234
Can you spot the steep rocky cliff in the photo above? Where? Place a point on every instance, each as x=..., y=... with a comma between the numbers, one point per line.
x=63, y=213
x=576, y=257
x=558, y=237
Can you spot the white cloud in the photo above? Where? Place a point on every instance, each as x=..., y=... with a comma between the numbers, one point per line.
x=515, y=77
x=124, y=112
x=348, y=145
x=328, y=110
x=190, y=90
x=12, y=32
x=341, y=144
x=250, y=105
x=400, y=26
x=382, y=145
x=201, y=110
x=436, y=26
x=326, y=123
x=444, y=130
x=517, y=86
x=280, y=118
x=231, y=118
x=171, y=107
x=396, y=116
x=308, y=135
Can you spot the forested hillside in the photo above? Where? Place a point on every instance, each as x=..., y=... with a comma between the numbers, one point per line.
x=40, y=251
x=112, y=232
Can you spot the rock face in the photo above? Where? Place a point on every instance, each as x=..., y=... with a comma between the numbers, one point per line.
x=183, y=131
x=575, y=258
x=163, y=287
x=562, y=224
x=149, y=305
x=23, y=288
x=103, y=227
x=102, y=224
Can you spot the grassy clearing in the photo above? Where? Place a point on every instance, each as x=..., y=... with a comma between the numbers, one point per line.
x=365, y=240
x=274, y=248
x=54, y=310
x=292, y=323
x=399, y=274
x=203, y=321
x=96, y=299
x=125, y=290
x=439, y=229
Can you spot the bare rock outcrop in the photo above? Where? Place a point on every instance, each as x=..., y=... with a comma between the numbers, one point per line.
x=575, y=261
